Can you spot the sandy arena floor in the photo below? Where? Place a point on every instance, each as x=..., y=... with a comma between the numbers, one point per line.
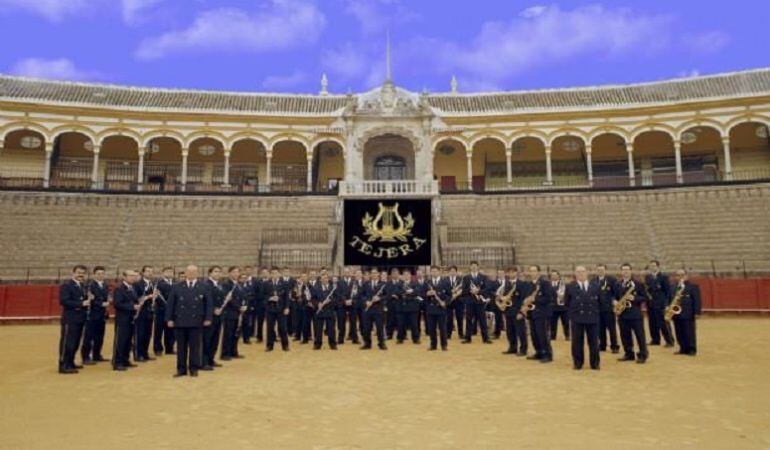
x=470, y=397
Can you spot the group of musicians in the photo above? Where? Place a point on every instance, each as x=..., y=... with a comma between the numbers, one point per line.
x=202, y=316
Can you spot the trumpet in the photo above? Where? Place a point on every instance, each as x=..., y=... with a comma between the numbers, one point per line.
x=675, y=308
x=529, y=303
x=504, y=301
x=625, y=301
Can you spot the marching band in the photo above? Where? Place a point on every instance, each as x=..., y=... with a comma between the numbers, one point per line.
x=195, y=318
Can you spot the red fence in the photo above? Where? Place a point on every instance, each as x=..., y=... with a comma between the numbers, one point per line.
x=718, y=294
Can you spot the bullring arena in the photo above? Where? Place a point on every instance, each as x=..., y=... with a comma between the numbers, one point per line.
x=125, y=177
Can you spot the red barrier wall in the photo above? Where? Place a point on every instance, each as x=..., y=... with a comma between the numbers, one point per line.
x=38, y=301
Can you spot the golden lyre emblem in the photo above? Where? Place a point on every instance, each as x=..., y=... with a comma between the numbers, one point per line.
x=387, y=225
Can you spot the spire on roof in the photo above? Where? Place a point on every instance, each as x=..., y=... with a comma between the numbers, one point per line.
x=453, y=84
x=388, y=71
x=324, y=85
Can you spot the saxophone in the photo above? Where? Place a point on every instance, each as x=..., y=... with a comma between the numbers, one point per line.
x=529, y=303
x=456, y=291
x=625, y=301
x=504, y=301
x=560, y=290
x=675, y=308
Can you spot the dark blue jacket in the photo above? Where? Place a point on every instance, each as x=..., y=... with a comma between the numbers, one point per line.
x=189, y=307
x=583, y=305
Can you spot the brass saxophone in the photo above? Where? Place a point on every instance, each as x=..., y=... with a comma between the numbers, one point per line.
x=505, y=301
x=560, y=291
x=675, y=308
x=529, y=303
x=625, y=301
x=456, y=291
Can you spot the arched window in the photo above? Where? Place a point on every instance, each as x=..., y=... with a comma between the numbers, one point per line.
x=389, y=167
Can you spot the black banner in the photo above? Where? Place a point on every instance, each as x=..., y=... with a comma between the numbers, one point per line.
x=387, y=232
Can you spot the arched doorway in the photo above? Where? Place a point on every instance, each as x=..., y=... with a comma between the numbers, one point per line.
x=389, y=157
x=389, y=167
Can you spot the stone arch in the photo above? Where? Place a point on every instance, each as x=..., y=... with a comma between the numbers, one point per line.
x=608, y=129
x=653, y=126
x=100, y=138
x=207, y=134
x=388, y=144
x=450, y=163
x=150, y=135
x=328, y=167
x=290, y=137
x=21, y=126
x=526, y=133
x=700, y=123
x=487, y=134
x=565, y=132
x=248, y=135
x=73, y=128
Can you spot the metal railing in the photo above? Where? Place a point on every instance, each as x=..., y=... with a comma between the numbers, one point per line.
x=389, y=188
x=295, y=235
x=479, y=234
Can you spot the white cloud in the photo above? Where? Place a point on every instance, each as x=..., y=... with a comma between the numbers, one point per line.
x=53, y=10
x=282, y=82
x=374, y=16
x=348, y=61
x=533, y=11
x=56, y=69
x=283, y=24
x=708, y=42
x=688, y=73
x=133, y=9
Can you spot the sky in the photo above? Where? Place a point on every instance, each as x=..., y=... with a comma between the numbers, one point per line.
x=286, y=45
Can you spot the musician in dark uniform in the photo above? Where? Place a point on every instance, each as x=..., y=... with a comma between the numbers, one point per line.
x=163, y=337
x=541, y=315
x=356, y=319
x=277, y=310
x=261, y=293
x=515, y=322
x=684, y=322
x=560, y=308
x=211, y=333
x=372, y=303
x=325, y=300
x=608, y=286
x=455, y=308
x=393, y=291
x=232, y=308
x=582, y=300
x=188, y=310
x=96, y=320
x=345, y=305
x=289, y=282
x=304, y=294
x=659, y=289
x=249, y=297
x=490, y=292
x=475, y=306
x=631, y=318
x=145, y=291
x=436, y=295
x=75, y=303
x=126, y=304
x=412, y=296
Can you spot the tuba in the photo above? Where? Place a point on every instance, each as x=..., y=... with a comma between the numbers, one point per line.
x=675, y=308
x=625, y=301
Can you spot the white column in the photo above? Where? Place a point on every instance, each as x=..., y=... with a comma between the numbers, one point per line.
x=548, y=167
x=185, y=153
x=589, y=165
x=508, y=169
x=47, y=169
x=728, y=163
x=310, y=172
x=269, y=176
x=95, y=169
x=631, y=170
x=226, y=178
x=678, y=160
x=469, y=167
x=140, y=174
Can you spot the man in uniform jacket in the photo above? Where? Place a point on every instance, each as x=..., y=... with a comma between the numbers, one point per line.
x=162, y=336
x=582, y=299
x=249, y=298
x=393, y=291
x=436, y=296
x=560, y=307
x=455, y=308
x=289, y=283
x=541, y=315
x=354, y=293
x=126, y=304
x=211, y=333
x=372, y=301
x=260, y=300
x=96, y=320
x=608, y=286
x=306, y=313
x=684, y=322
x=277, y=310
x=490, y=292
x=515, y=322
x=660, y=296
x=345, y=306
x=75, y=303
x=412, y=296
x=325, y=301
x=143, y=323
x=188, y=310
x=475, y=306
x=631, y=319
x=232, y=308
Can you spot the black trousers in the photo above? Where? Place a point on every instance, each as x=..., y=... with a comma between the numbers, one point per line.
x=555, y=318
x=499, y=321
x=540, y=338
x=69, y=341
x=476, y=315
x=292, y=323
x=163, y=337
x=658, y=326
x=143, y=336
x=229, y=337
x=259, y=322
x=408, y=319
x=247, y=327
x=121, y=347
x=455, y=312
x=354, y=318
x=436, y=328
x=583, y=333
x=305, y=332
x=635, y=327
x=93, y=339
x=685, y=335
x=373, y=318
x=516, y=332
x=608, y=325
x=189, y=353
x=391, y=322
x=211, y=341
x=277, y=319
x=319, y=323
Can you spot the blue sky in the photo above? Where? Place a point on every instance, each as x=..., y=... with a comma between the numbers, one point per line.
x=285, y=45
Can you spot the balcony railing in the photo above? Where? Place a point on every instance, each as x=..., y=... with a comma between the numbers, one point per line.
x=388, y=188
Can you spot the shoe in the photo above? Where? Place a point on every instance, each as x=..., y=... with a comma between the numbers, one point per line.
x=238, y=356
x=259, y=340
x=616, y=350
x=316, y=347
x=269, y=349
x=67, y=370
x=521, y=353
x=431, y=349
x=131, y=365
x=158, y=353
x=120, y=368
x=602, y=349
x=225, y=358
x=99, y=359
x=443, y=349
x=400, y=341
x=365, y=347
x=669, y=345
x=641, y=360
x=577, y=367
x=333, y=347
x=140, y=359
x=207, y=368
x=180, y=374
x=355, y=341
x=88, y=362
x=595, y=368
x=509, y=352
x=466, y=341
x=285, y=348
x=247, y=342
x=171, y=352
x=487, y=341
x=533, y=357
x=382, y=347
x=653, y=343
x=77, y=367
x=194, y=373
x=626, y=358
x=340, y=341
x=216, y=364
x=547, y=359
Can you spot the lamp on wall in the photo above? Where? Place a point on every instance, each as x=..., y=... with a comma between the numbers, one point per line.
x=31, y=142
x=688, y=137
x=761, y=132
x=207, y=149
x=570, y=145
